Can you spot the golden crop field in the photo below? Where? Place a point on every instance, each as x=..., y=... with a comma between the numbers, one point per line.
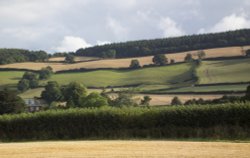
x=125, y=149
x=61, y=59
x=124, y=63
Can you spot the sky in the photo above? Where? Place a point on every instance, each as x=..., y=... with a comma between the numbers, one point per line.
x=67, y=25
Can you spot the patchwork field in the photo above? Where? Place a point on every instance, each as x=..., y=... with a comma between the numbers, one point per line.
x=131, y=149
x=124, y=63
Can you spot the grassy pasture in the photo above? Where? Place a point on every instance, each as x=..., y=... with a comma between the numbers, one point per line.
x=133, y=149
x=124, y=63
x=224, y=71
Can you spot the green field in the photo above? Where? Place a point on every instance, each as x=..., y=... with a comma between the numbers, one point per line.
x=10, y=78
x=148, y=76
x=224, y=71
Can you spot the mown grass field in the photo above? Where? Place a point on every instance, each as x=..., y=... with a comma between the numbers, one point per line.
x=124, y=63
x=131, y=149
x=224, y=71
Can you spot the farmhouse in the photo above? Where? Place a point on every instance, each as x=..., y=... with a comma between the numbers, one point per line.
x=34, y=104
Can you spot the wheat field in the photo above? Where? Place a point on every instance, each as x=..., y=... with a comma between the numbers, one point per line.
x=125, y=149
x=124, y=63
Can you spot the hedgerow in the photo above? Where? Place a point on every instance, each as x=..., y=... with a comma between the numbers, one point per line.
x=229, y=121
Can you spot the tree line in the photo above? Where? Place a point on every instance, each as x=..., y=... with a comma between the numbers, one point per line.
x=168, y=45
x=8, y=56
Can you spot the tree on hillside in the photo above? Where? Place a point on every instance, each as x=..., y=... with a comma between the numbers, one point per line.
x=70, y=58
x=45, y=73
x=176, y=101
x=160, y=59
x=201, y=54
x=134, y=64
x=74, y=93
x=10, y=103
x=52, y=92
x=146, y=100
x=188, y=58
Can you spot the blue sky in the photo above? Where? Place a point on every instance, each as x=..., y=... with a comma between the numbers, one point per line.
x=66, y=25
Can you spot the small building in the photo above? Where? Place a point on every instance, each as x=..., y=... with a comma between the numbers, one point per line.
x=34, y=104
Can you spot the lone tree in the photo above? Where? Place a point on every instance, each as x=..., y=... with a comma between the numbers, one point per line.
x=176, y=101
x=201, y=54
x=188, y=58
x=160, y=59
x=146, y=100
x=135, y=64
x=10, y=103
x=69, y=58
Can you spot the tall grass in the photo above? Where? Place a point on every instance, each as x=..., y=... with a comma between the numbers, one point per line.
x=230, y=121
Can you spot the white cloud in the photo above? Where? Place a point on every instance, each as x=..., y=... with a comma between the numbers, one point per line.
x=102, y=42
x=231, y=22
x=118, y=30
x=170, y=28
x=71, y=43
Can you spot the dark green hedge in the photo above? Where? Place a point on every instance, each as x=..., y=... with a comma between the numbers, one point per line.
x=217, y=121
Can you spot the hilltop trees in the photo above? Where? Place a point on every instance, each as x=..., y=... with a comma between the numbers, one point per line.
x=160, y=59
x=109, y=54
x=134, y=64
x=8, y=56
x=10, y=103
x=170, y=45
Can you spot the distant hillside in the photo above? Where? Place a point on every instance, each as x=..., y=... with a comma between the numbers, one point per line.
x=170, y=45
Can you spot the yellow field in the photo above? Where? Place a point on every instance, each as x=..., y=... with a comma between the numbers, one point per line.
x=124, y=63
x=125, y=149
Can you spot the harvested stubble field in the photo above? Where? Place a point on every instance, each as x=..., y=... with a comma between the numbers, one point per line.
x=127, y=149
x=124, y=63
